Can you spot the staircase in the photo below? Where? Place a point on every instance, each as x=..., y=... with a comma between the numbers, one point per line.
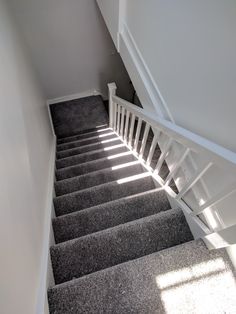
x=120, y=247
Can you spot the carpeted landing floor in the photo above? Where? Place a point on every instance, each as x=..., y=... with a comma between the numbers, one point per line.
x=120, y=248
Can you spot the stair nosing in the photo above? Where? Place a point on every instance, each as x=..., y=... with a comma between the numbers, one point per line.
x=148, y=175
x=155, y=190
x=92, y=152
x=127, y=224
x=86, y=146
x=98, y=131
x=136, y=163
x=85, y=139
x=127, y=153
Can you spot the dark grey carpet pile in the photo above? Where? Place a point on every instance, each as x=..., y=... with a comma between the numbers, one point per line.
x=120, y=248
x=72, y=117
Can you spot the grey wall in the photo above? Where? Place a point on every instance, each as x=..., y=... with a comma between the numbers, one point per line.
x=26, y=144
x=190, y=48
x=71, y=46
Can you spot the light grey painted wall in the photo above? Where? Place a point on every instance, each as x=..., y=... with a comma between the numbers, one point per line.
x=190, y=48
x=26, y=142
x=71, y=46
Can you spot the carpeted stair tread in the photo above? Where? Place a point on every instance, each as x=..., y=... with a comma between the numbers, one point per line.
x=164, y=282
x=86, y=134
x=93, y=155
x=103, y=193
x=83, y=142
x=94, y=165
x=88, y=148
x=97, y=178
x=72, y=117
x=108, y=215
x=100, y=250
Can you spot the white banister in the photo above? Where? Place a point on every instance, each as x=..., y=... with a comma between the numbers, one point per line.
x=127, y=119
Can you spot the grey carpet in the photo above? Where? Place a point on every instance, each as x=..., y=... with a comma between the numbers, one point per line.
x=94, y=165
x=119, y=244
x=70, y=117
x=100, y=194
x=93, y=155
x=96, y=178
x=184, y=279
x=87, y=148
x=108, y=215
x=86, y=141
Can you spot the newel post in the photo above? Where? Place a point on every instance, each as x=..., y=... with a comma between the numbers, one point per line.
x=112, y=92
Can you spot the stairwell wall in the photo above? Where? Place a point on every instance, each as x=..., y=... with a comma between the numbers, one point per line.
x=26, y=151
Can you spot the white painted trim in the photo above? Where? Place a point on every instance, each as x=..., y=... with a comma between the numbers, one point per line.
x=91, y=92
x=42, y=306
x=50, y=119
x=142, y=71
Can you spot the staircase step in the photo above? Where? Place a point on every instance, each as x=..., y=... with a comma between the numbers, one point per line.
x=85, y=134
x=100, y=250
x=102, y=194
x=90, y=156
x=88, y=148
x=73, y=171
x=97, y=178
x=108, y=215
x=175, y=280
x=82, y=142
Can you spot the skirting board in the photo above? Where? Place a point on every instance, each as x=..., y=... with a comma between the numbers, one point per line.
x=91, y=92
x=45, y=272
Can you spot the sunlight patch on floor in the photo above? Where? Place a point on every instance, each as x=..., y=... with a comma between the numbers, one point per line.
x=197, y=289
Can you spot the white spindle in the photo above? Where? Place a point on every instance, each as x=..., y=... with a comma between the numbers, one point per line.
x=118, y=119
x=176, y=167
x=122, y=122
x=131, y=129
x=193, y=180
x=215, y=199
x=144, y=141
x=137, y=134
x=163, y=156
x=126, y=126
x=115, y=116
x=152, y=149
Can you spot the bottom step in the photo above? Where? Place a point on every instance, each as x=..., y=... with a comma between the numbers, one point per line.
x=184, y=279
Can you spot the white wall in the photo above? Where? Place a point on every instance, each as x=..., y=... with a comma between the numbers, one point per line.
x=71, y=46
x=26, y=143
x=190, y=47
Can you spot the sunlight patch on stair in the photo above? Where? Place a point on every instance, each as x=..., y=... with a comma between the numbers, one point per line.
x=134, y=178
x=115, y=139
x=200, y=287
x=127, y=164
x=107, y=134
x=119, y=155
x=113, y=147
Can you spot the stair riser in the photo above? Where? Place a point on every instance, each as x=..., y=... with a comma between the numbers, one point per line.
x=93, y=179
x=78, y=159
x=114, y=246
x=101, y=194
x=85, y=168
x=84, y=142
x=82, y=136
x=109, y=215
